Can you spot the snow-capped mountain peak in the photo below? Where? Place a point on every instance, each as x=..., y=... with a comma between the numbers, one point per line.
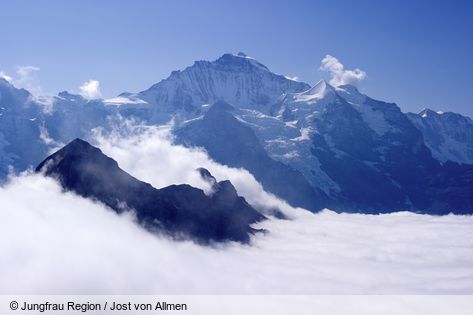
x=445, y=116
x=426, y=112
x=240, y=60
x=305, y=106
x=317, y=92
x=237, y=79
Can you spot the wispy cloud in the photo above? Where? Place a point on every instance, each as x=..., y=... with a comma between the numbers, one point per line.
x=120, y=100
x=90, y=89
x=3, y=75
x=25, y=72
x=293, y=78
x=26, y=77
x=340, y=75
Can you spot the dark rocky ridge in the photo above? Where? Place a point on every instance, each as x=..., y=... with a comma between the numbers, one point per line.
x=180, y=210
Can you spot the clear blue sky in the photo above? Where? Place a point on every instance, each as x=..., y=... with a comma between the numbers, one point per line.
x=415, y=53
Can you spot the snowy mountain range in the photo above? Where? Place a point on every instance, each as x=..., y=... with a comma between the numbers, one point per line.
x=315, y=147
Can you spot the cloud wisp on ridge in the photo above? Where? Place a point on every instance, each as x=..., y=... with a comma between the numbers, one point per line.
x=340, y=75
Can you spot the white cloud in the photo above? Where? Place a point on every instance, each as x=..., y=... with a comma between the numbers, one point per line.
x=120, y=100
x=293, y=78
x=146, y=151
x=60, y=243
x=90, y=89
x=3, y=75
x=340, y=75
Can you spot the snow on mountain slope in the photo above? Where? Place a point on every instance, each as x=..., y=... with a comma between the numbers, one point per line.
x=288, y=135
x=305, y=106
x=372, y=115
x=448, y=135
x=290, y=144
x=350, y=145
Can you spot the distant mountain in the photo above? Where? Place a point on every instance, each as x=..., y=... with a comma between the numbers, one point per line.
x=74, y=117
x=448, y=135
x=176, y=209
x=371, y=150
x=20, y=129
x=236, y=79
x=312, y=146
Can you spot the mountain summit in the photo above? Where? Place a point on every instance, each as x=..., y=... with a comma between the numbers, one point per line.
x=236, y=79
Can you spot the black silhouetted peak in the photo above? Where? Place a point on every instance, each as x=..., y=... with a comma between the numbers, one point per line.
x=79, y=147
x=207, y=176
x=78, y=156
x=226, y=190
x=176, y=209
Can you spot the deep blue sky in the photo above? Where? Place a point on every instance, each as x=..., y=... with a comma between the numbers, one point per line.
x=415, y=53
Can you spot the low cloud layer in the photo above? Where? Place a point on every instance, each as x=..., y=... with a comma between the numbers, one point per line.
x=90, y=90
x=60, y=243
x=340, y=75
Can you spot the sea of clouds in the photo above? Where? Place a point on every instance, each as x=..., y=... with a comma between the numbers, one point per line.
x=57, y=242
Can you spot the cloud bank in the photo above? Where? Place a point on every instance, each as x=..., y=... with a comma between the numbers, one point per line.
x=340, y=75
x=60, y=243
x=90, y=89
